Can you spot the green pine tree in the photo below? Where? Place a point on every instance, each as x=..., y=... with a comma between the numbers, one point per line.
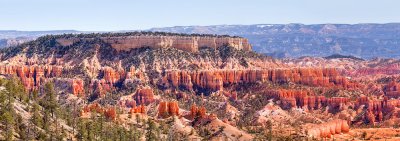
x=152, y=131
x=36, y=119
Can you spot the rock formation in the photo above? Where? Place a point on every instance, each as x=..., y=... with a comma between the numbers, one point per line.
x=111, y=113
x=306, y=100
x=144, y=96
x=78, y=87
x=377, y=110
x=326, y=130
x=197, y=112
x=190, y=44
x=392, y=90
x=139, y=109
x=215, y=79
x=167, y=109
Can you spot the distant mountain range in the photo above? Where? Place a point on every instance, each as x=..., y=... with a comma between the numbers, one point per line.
x=15, y=37
x=295, y=40
x=287, y=40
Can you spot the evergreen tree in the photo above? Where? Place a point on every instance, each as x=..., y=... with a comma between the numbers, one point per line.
x=151, y=132
x=50, y=102
x=34, y=95
x=8, y=121
x=82, y=130
x=36, y=119
x=6, y=109
x=21, y=128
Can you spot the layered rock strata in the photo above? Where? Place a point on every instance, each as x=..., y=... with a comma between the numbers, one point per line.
x=215, y=79
x=167, y=109
x=328, y=129
x=185, y=43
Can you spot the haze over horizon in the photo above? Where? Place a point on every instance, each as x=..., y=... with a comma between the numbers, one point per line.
x=104, y=15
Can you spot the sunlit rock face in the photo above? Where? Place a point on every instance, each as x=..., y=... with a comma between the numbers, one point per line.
x=307, y=100
x=328, y=129
x=392, y=90
x=185, y=43
x=215, y=79
x=144, y=96
x=377, y=110
x=167, y=109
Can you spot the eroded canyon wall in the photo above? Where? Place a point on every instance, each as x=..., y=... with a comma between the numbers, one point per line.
x=215, y=79
x=185, y=43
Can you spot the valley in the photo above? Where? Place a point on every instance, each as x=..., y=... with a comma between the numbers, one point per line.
x=176, y=86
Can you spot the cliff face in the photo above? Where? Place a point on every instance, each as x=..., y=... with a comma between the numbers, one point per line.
x=392, y=90
x=215, y=79
x=328, y=129
x=377, y=110
x=307, y=100
x=167, y=109
x=190, y=44
x=144, y=96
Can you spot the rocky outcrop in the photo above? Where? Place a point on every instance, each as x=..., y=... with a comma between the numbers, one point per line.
x=375, y=71
x=307, y=100
x=197, y=112
x=215, y=79
x=168, y=109
x=139, y=109
x=31, y=76
x=326, y=130
x=92, y=107
x=186, y=43
x=99, y=87
x=78, y=87
x=392, y=90
x=110, y=113
x=144, y=96
x=109, y=78
x=376, y=110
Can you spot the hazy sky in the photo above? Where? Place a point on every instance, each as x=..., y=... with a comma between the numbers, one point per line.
x=104, y=15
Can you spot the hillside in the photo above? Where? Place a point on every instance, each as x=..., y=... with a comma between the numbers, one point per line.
x=174, y=86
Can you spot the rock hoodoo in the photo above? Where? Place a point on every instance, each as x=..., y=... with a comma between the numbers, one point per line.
x=326, y=130
x=167, y=109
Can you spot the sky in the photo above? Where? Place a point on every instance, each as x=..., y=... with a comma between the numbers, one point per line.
x=112, y=15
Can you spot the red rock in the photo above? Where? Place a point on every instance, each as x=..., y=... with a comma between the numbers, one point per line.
x=326, y=130
x=167, y=109
x=214, y=79
x=111, y=113
x=144, y=96
x=193, y=111
x=377, y=109
x=288, y=103
x=374, y=71
x=99, y=87
x=392, y=90
x=78, y=87
x=140, y=109
x=231, y=95
x=128, y=103
x=111, y=76
x=199, y=112
x=337, y=104
x=93, y=107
